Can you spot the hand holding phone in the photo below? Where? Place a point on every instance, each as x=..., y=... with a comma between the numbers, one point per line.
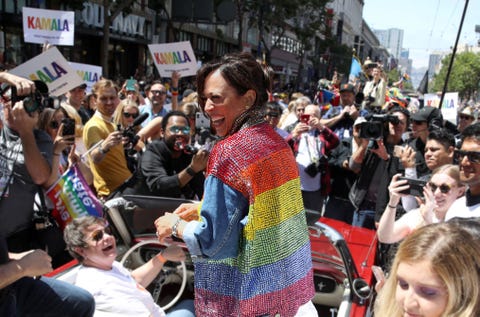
x=68, y=127
x=415, y=186
x=305, y=118
x=398, y=151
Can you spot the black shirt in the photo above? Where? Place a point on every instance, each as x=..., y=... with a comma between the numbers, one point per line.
x=157, y=174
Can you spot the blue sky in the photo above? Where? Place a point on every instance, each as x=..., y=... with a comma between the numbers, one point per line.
x=428, y=25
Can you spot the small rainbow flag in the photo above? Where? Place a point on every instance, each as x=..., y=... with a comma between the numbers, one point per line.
x=73, y=198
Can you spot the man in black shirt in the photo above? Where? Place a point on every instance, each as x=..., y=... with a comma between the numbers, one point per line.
x=168, y=167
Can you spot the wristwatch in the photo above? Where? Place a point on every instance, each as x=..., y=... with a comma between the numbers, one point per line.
x=190, y=171
x=101, y=150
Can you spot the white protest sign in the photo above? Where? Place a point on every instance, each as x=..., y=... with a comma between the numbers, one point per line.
x=89, y=73
x=172, y=57
x=52, y=26
x=449, y=106
x=51, y=68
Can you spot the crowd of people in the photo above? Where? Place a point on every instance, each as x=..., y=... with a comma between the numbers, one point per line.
x=357, y=157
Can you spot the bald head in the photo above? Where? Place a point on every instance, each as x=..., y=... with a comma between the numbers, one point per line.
x=313, y=110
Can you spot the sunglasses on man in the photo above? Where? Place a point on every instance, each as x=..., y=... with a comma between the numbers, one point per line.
x=472, y=156
x=158, y=92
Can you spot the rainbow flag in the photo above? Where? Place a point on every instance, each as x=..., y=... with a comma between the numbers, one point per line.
x=72, y=198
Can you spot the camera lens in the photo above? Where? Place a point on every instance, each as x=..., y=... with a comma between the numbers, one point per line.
x=30, y=104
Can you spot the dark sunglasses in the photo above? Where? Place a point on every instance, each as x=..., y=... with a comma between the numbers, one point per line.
x=175, y=129
x=272, y=114
x=54, y=125
x=444, y=188
x=128, y=115
x=97, y=235
x=472, y=156
x=463, y=117
x=158, y=92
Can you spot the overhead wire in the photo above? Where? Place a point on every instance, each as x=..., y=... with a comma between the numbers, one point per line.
x=433, y=26
x=450, y=19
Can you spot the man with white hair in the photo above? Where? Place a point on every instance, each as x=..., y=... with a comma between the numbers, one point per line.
x=311, y=141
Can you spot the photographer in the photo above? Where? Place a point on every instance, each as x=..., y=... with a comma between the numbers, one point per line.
x=375, y=89
x=107, y=160
x=25, y=158
x=375, y=164
x=168, y=167
x=311, y=141
x=124, y=117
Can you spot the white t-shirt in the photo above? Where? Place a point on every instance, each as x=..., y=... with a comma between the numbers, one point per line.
x=460, y=209
x=414, y=219
x=308, y=151
x=117, y=293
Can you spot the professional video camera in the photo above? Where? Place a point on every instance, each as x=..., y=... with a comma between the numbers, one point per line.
x=130, y=133
x=36, y=101
x=374, y=128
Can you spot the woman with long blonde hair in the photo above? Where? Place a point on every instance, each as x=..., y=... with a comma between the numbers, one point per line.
x=435, y=273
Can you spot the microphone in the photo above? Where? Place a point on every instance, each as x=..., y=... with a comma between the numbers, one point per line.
x=140, y=119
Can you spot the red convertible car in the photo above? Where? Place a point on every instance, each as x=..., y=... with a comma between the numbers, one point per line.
x=342, y=257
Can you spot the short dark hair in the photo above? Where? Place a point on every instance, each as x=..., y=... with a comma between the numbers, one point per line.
x=443, y=137
x=172, y=114
x=243, y=72
x=472, y=131
x=400, y=109
x=150, y=84
x=273, y=106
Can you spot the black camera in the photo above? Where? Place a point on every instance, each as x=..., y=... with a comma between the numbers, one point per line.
x=317, y=167
x=36, y=101
x=132, y=137
x=374, y=128
x=312, y=169
x=415, y=186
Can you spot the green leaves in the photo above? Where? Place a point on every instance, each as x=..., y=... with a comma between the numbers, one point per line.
x=464, y=76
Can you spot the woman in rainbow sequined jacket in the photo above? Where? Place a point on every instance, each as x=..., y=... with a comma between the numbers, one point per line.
x=250, y=242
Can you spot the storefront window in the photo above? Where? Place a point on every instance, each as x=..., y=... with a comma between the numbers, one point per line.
x=9, y=6
x=12, y=51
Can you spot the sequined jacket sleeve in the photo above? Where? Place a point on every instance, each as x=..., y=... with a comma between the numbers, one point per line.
x=224, y=213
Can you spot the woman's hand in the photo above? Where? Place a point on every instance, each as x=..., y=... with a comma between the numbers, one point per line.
x=395, y=188
x=188, y=211
x=164, y=225
x=427, y=205
x=61, y=142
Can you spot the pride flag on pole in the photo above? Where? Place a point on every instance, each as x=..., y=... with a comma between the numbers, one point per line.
x=73, y=198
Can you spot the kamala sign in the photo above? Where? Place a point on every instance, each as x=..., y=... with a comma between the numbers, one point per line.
x=449, y=106
x=54, y=27
x=172, y=57
x=89, y=73
x=51, y=68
